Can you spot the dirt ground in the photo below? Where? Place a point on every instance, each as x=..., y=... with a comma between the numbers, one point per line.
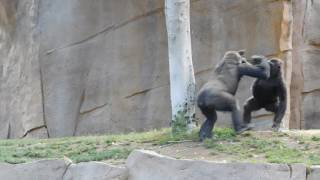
x=302, y=141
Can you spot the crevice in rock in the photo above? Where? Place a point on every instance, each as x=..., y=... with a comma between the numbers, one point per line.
x=203, y=70
x=143, y=91
x=112, y=28
x=314, y=44
x=304, y=18
x=79, y=107
x=311, y=91
x=290, y=169
x=108, y=29
x=69, y=163
x=93, y=109
x=105, y=30
x=150, y=13
x=109, y=170
x=33, y=129
x=43, y=99
x=40, y=70
x=9, y=130
x=38, y=13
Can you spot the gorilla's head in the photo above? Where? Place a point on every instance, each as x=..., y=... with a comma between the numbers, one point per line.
x=230, y=58
x=275, y=67
x=257, y=59
x=234, y=56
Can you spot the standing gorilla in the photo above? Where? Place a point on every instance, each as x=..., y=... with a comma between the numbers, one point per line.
x=269, y=94
x=218, y=93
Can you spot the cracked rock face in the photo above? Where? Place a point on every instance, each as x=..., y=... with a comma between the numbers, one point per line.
x=107, y=72
x=81, y=67
x=307, y=51
x=21, y=109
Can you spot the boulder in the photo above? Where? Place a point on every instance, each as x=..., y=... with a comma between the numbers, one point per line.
x=146, y=165
x=95, y=171
x=41, y=170
x=314, y=173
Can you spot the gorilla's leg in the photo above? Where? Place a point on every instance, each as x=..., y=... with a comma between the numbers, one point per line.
x=227, y=102
x=207, y=126
x=237, y=117
x=274, y=107
x=250, y=105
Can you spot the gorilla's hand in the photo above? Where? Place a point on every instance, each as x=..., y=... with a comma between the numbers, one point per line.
x=262, y=62
x=257, y=59
x=260, y=67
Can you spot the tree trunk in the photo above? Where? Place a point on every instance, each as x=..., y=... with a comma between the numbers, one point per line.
x=182, y=80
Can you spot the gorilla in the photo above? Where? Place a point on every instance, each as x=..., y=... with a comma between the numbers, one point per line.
x=218, y=93
x=269, y=94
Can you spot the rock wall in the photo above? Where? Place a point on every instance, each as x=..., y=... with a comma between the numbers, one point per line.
x=308, y=51
x=81, y=67
x=21, y=112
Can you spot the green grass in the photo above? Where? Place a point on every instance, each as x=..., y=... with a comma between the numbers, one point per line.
x=82, y=149
x=249, y=147
x=260, y=149
x=77, y=150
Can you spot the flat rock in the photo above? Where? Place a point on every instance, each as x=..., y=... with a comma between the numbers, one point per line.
x=40, y=170
x=146, y=165
x=95, y=171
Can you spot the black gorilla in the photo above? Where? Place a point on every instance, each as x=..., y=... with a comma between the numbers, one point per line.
x=269, y=94
x=218, y=93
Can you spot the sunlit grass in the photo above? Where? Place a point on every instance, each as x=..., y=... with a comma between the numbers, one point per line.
x=248, y=147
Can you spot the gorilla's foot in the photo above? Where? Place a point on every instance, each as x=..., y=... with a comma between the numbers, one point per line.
x=204, y=135
x=206, y=130
x=275, y=127
x=250, y=126
x=242, y=129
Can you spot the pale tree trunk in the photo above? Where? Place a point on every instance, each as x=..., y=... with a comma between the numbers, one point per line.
x=182, y=80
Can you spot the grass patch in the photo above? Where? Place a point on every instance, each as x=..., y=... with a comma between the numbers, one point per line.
x=224, y=134
x=248, y=147
x=253, y=148
x=99, y=156
x=78, y=149
x=82, y=149
x=284, y=155
x=314, y=138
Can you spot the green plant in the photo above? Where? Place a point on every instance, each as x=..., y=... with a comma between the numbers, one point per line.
x=179, y=124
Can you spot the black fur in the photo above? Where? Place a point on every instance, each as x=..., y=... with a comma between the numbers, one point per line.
x=269, y=94
x=218, y=93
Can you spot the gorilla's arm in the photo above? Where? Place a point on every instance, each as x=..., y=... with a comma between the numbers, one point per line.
x=261, y=70
x=282, y=94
